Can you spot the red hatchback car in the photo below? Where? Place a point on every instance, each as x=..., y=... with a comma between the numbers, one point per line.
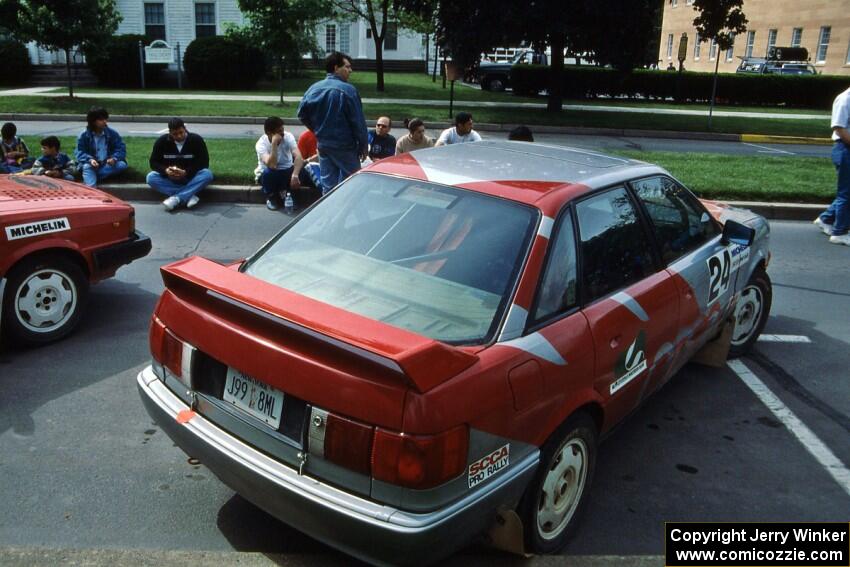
x=57, y=237
x=444, y=338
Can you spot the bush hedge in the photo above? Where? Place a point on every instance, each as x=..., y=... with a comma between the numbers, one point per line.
x=587, y=82
x=220, y=62
x=114, y=60
x=16, y=62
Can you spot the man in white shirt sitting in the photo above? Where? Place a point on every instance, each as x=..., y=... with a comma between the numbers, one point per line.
x=281, y=163
x=461, y=133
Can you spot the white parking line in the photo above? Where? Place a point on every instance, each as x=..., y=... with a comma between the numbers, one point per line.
x=163, y=131
x=810, y=441
x=765, y=149
x=784, y=339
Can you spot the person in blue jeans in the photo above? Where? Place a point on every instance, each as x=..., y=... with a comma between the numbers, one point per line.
x=100, y=152
x=332, y=109
x=835, y=220
x=180, y=163
x=280, y=162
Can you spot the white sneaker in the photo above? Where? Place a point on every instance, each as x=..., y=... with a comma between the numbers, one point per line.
x=825, y=227
x=193, y=200
x=843, y=239
x=171, y=203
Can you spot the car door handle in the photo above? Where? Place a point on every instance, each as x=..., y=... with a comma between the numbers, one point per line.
x=615, y=342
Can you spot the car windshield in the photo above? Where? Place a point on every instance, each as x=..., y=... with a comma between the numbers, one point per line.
x=435, y=260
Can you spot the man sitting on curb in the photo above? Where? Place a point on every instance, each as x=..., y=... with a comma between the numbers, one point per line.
x=281, y=163
x=54, y=163
x=100, y=152
x=180, y=163
x=461, y=133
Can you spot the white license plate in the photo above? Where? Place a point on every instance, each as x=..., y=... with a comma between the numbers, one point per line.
x=253, y=397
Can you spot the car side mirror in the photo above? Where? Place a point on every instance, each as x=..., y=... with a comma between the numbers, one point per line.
x=737, y=233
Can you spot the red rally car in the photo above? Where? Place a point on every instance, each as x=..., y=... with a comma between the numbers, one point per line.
x=57, y=237
x=445, y=337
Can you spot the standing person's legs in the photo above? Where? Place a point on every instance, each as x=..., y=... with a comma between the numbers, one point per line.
x=841, y=204
x=828, y=216
x=336, y=165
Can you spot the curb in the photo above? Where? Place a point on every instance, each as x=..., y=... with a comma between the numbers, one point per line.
x=253, y=194
x=481, y=126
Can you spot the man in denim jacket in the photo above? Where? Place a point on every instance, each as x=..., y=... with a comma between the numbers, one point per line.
x=332, y=109
x=100, y=152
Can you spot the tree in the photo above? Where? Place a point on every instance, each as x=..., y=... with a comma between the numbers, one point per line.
x=63, y=25
x=282, y=28
x=377, y=14
x=719, y=21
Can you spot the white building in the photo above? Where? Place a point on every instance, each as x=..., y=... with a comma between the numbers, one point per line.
x=184, y=20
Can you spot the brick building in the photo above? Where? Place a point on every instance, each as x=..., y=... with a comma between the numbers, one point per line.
x=821, y=26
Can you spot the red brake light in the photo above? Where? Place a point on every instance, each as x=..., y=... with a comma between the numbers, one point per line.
x=348, y=443
x=166, y=348
x=419, y=461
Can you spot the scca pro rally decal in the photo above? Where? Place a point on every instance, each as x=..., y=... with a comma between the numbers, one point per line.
x=721, y=266
x=487, y=466
x=630, y=364
x=37, y=228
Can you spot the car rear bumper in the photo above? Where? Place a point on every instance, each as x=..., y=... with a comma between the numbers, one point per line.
x=365, y=529
x=110, y=258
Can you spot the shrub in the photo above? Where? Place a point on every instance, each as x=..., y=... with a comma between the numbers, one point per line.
x=220, y=62
x=584, y=81
x=114, y=60
x=16, y=62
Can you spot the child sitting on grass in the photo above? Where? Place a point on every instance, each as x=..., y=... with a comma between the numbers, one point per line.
x=14, y=153
x=54, y=163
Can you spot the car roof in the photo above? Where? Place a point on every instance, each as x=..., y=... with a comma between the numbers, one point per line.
x=531, y=173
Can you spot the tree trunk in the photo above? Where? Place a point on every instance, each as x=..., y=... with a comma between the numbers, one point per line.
x=556, y=73
x=280, y=78
x=68, y=69
x=379, y=61
x=713, y=88
x=436, y=62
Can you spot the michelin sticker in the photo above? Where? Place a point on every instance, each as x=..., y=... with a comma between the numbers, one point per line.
x=721, y=266
x=630, y=364
x=37, y=228
x=487, y=466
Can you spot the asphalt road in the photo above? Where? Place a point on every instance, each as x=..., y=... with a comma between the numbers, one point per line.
x=598, y=143
x=84, y=467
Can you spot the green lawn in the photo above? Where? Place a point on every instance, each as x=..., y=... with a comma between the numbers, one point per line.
x=592, y=119
x=714, y=176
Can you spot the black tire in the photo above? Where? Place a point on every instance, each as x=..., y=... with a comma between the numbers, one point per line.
x=495, y=84
x=751, y=313
x=43, y=299
x=538, y=509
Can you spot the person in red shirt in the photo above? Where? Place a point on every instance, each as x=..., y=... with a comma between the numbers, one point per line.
x=308, y=146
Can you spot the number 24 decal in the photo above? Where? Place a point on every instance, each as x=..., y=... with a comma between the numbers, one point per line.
x=719, y=271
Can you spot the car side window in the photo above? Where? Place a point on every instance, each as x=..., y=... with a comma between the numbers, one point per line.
x=559, y=285
x=615, y=251
x=679, y=222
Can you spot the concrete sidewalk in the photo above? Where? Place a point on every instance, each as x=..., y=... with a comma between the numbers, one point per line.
x=253, y=194
x=49, y=91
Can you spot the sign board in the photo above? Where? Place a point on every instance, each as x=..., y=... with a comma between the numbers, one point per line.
x=683, y=48
x=159, y=52
x=454, y=72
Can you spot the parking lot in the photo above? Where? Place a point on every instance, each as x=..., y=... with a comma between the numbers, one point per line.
x=85, y=468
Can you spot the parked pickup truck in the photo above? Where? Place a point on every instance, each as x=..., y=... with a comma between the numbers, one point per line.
x=493, y=76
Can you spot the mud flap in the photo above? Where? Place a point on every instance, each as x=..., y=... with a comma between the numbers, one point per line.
x=715, y=352
x=506, y=533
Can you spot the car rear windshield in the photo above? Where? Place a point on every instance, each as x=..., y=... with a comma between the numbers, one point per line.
x=435, y=260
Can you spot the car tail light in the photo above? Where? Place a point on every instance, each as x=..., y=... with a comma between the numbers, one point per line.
x=348, y=443
x=171, y=352
x=419, y=461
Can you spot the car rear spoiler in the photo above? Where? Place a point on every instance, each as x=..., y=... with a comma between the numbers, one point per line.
x=423, y=361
